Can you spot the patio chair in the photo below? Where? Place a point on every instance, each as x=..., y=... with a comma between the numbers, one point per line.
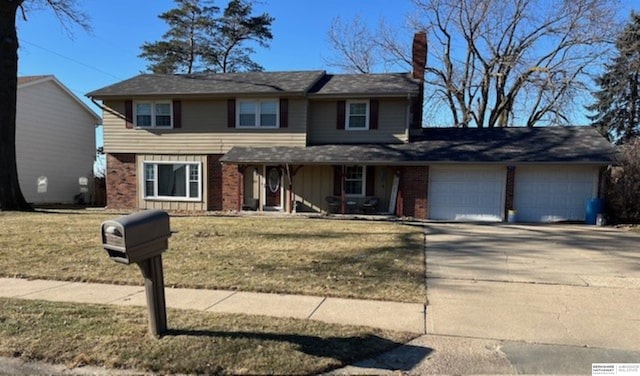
x=370, y=205
x=333, y=204
x=251, y=204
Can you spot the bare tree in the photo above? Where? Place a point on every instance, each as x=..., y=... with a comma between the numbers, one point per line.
x=497, y=63
x=356, y=50
x=11, y=197
x=512, y=62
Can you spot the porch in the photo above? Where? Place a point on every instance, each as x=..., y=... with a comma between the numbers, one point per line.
x=328, y=179
x=334, y=189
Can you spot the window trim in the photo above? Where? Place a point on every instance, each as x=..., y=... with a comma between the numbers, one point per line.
x=188, y=181
x=153, y=114
x=347, y=114
x=363, y=192
x=257, y=107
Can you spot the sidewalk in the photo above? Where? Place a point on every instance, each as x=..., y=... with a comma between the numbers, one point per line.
x=407, y=317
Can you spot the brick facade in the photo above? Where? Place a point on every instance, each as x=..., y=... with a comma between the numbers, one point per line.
x=232, y=187
x=412, y=195
x=214, y=182
x=121, y=181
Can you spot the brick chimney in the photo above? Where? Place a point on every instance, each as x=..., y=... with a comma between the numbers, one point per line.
x=419, y=61
x=419, y=54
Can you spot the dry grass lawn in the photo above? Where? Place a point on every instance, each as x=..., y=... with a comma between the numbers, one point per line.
x=353, y=259
x=201, y=343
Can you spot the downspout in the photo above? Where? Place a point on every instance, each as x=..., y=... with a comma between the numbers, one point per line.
x=407, y=119
x=105, y=108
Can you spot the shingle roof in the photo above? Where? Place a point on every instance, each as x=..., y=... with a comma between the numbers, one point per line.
x=212, y=84
x=302, y=82
x=580, y=145
x=26, y=79
x=366, y=84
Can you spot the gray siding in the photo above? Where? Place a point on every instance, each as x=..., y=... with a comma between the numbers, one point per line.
x=55, y=137
x=392, y=124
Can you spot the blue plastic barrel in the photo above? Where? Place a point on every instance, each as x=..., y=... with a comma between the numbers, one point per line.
x=595, y=206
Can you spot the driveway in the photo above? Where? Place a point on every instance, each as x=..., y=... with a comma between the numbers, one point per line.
x=537, y=285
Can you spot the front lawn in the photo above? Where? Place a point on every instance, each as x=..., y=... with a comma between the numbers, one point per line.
x=198, y=343
x=326, y=257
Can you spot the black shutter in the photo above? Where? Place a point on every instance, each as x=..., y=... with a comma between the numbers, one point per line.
x=284, y=112
x=128, y=113
x=341, y=107
x=177, y=114
x=337, y=180
x=231, y=113
x=371, y=181
x=373, y=114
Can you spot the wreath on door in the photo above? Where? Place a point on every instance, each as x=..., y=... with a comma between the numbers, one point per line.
x=274, y=180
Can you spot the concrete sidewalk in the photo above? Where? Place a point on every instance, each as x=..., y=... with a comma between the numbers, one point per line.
x=407, y=317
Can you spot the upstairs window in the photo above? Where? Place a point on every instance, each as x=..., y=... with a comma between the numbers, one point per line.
x=254, y=113
x=153, y=115
x=357, y=115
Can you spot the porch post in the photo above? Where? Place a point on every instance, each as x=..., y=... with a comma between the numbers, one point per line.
x=291, y=174
x=400, y=199
x=241, y=170
x=343, y=194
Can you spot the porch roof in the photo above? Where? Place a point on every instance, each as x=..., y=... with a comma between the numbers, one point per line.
x=574, y=145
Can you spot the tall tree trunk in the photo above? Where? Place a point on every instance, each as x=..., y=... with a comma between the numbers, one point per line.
x=11, y=197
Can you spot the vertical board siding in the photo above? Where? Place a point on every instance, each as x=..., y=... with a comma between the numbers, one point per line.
x=55, y=137
x=172, y=205
x=203, y=130
x=311, y=185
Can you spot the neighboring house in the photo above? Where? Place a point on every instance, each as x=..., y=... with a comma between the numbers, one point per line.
x=55, y=140
x=298, y=141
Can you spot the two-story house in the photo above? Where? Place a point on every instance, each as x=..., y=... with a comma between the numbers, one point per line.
x=312, y=141
x=55, y=142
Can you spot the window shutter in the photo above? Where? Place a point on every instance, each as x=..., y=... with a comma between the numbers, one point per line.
x=371, y=181
x=284, y=112
x=373, y=114
x=128, y=113
x=177, y=114
x=337, y=180
x=231, y=113
x=341, y=115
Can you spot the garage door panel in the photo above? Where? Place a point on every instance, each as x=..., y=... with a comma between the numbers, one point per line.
x=466, y=193
x=553, y=193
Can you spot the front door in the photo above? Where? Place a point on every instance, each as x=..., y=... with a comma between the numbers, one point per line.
x=274, y=187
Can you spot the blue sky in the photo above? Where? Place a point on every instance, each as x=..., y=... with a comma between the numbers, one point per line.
x=85, y=62
x=88, y=61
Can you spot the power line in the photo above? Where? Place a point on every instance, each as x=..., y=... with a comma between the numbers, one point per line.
x=72, y=59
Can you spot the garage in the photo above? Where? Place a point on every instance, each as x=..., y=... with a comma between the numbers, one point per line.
x=467, y=193
x=553, y=193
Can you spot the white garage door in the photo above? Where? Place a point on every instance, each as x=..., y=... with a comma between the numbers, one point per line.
x=466, y=193
x=553, y=193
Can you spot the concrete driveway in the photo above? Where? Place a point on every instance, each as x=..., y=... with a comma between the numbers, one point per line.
x=537, y=285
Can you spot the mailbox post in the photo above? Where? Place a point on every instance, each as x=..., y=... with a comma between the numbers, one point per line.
x=141, y=238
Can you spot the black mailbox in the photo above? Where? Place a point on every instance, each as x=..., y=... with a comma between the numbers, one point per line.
x=141, y=238
x=136, y=237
